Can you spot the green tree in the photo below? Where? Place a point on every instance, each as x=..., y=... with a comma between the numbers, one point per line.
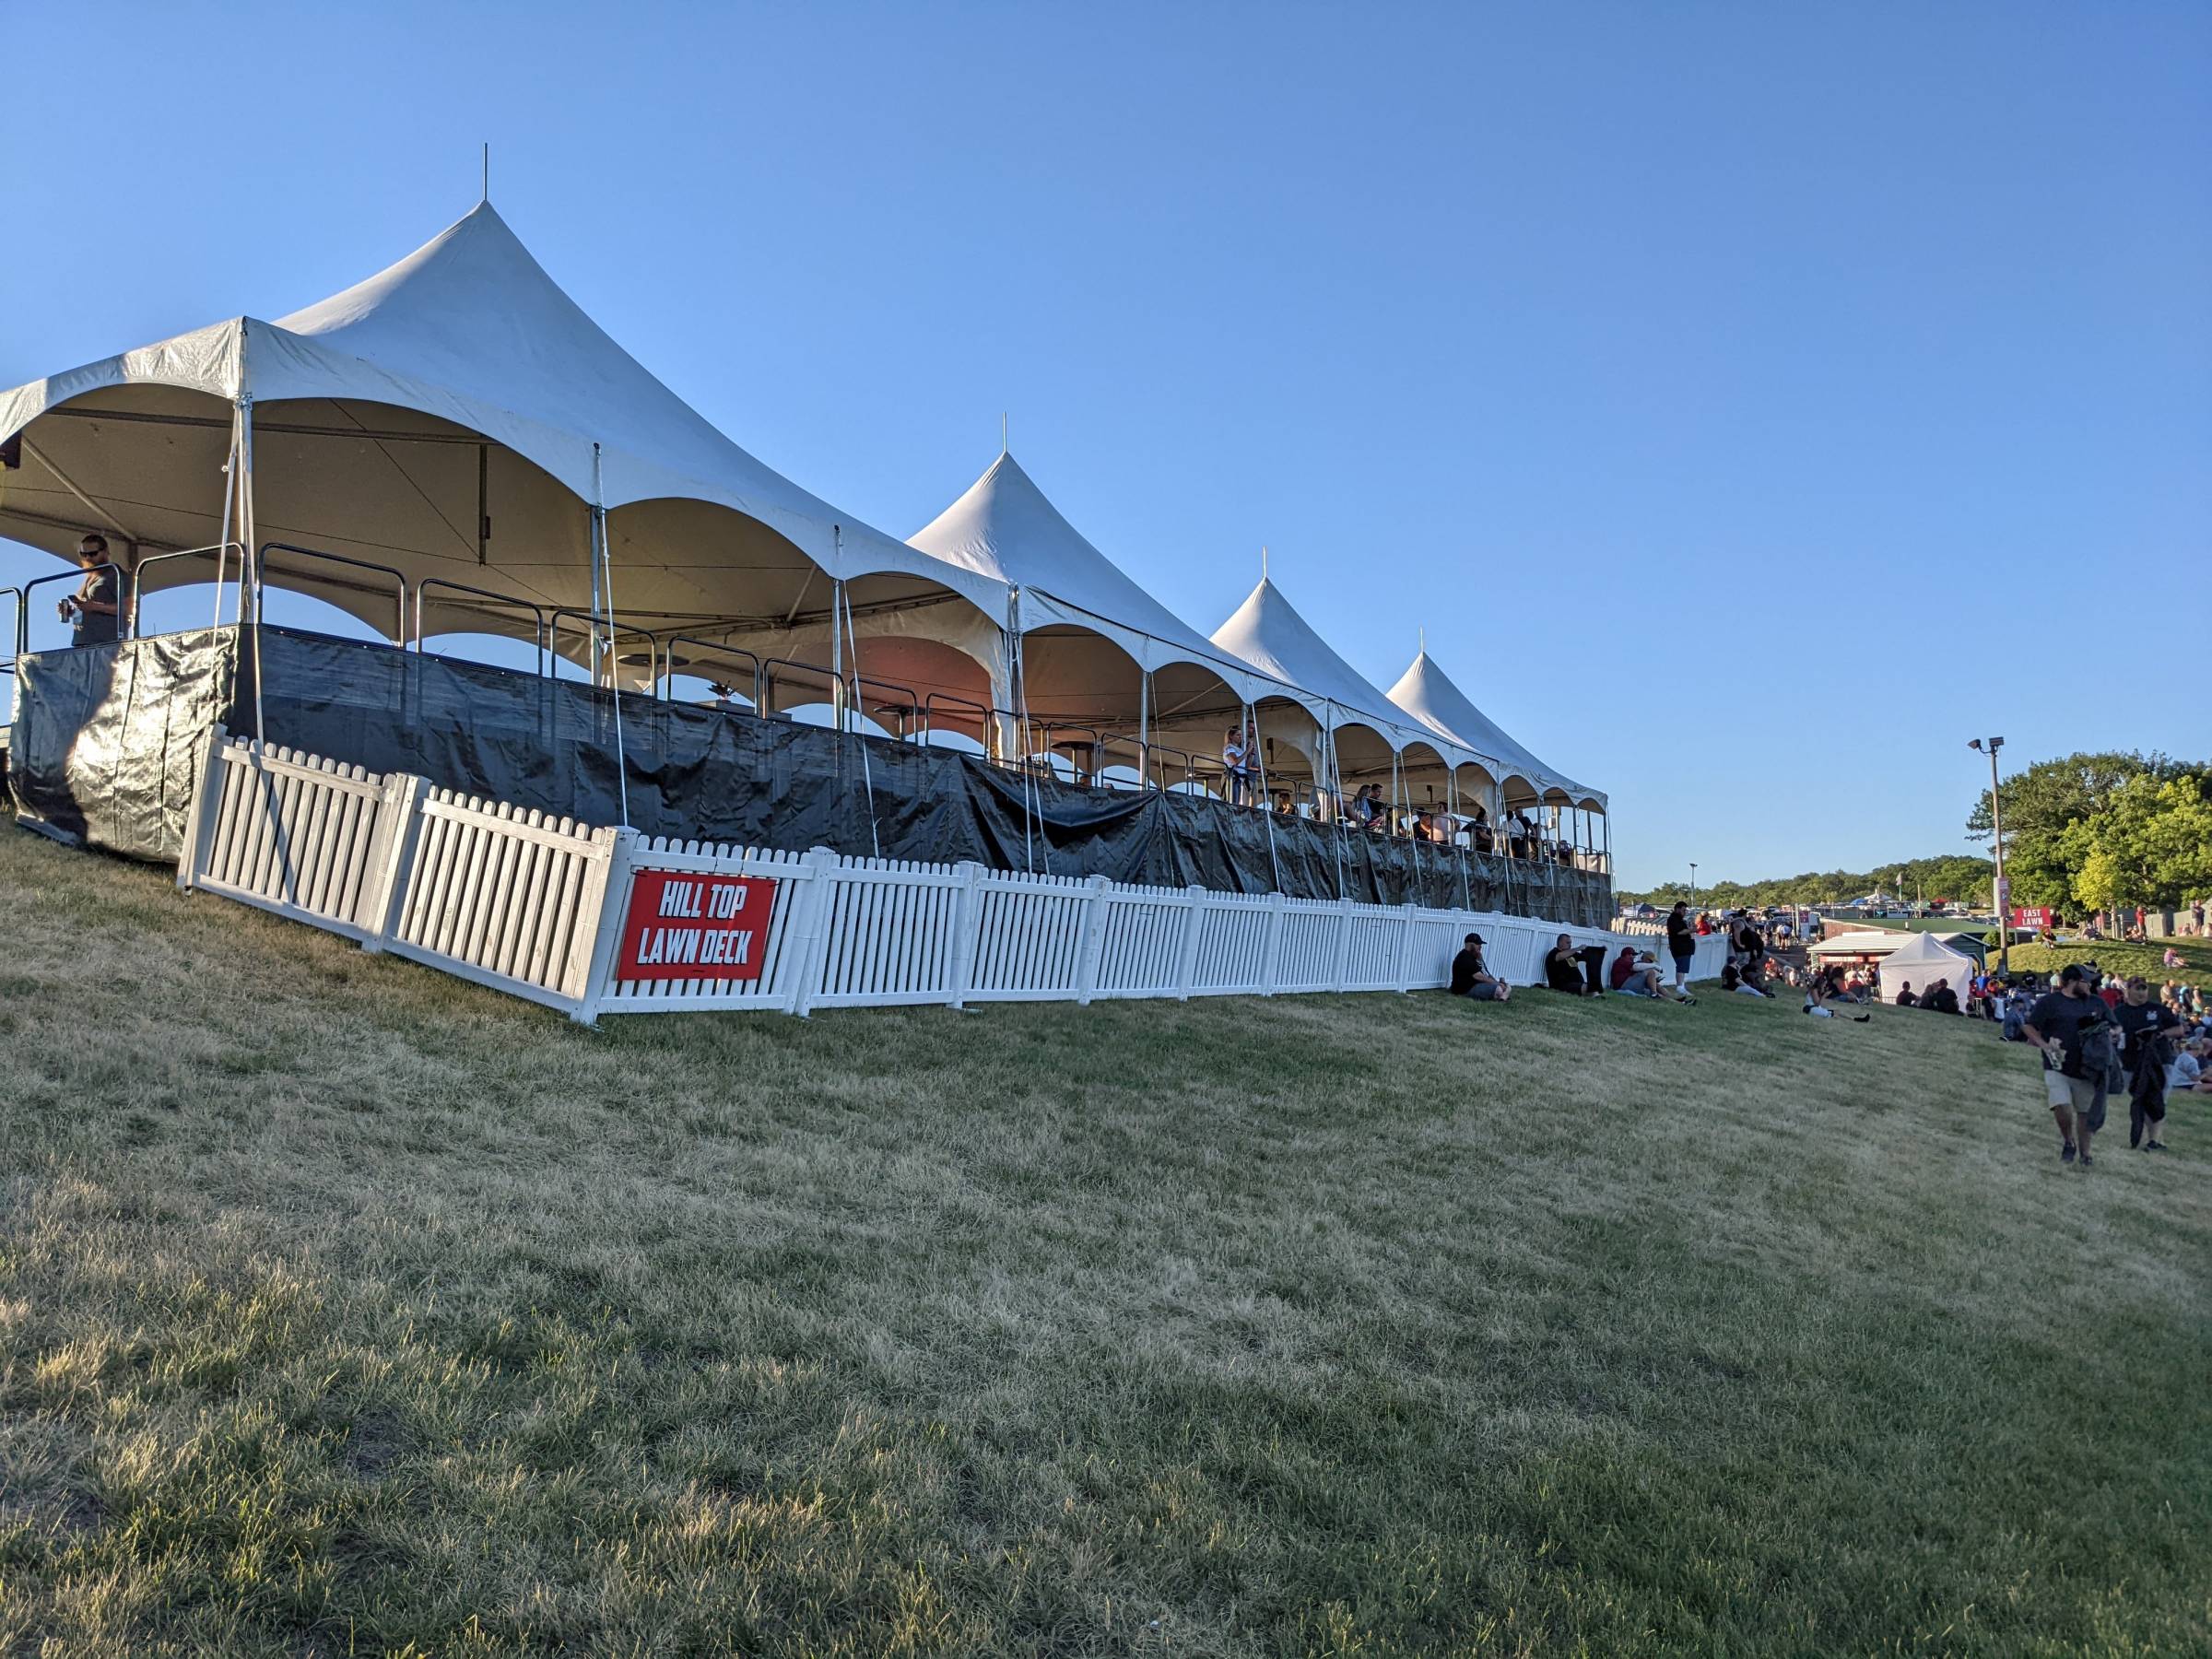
x=2150, y=843
x=2047, y=800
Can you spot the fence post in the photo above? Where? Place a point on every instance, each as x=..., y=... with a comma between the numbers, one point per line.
x=207, y=806
x=1193, y=929
x=967, y=921
x=615, y=874
x=391, y=859
x=1271, y=964
x=814, y=938
x=1403, y=975
x=591, y=922
x=1344, y=940
x=1094, y=939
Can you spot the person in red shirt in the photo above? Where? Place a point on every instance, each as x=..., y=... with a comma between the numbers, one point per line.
x=1705, y=924
x=2111, y=994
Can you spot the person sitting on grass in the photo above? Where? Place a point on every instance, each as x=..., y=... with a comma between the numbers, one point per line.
x=1941, y=998
x=1826, y=999
x=1742, y=981
x=1578, y=971
x=1634, y=975
x=1905, y=999
x=1471, y=978
x=2190, y=1073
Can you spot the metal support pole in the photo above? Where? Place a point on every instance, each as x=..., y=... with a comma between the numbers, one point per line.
x=248, y=533
x=603, y=586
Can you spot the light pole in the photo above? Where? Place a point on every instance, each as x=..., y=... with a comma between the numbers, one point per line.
x=1693, y=883
x=1999, y=890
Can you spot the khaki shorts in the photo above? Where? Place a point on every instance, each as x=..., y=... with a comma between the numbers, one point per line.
x=2077, y=1094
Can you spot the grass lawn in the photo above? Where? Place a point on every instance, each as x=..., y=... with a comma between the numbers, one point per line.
x=349, y=1309
x=2122, y=958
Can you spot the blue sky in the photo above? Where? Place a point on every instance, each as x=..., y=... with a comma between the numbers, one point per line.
x=1686, y=371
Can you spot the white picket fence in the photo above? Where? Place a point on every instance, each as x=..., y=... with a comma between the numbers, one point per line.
x=538, y=906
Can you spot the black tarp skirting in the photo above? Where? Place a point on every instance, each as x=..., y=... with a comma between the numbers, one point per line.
x=107, y=739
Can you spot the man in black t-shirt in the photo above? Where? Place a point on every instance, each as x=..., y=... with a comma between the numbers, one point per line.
x=2056, y=1026
x=1470, y=978
x=2146, y=1024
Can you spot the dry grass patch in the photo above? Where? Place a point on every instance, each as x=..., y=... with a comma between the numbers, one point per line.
x=350, y=1308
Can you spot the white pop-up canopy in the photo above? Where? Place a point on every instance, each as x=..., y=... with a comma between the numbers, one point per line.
x=1920, y=961
x=1427, y=693
x=455, y=417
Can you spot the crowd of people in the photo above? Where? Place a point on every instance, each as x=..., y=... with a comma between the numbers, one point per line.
x=1370, y=808
x=2098, y=1035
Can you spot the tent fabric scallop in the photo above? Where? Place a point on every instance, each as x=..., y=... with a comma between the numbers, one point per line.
x=471, y=332
x=1006, y=528
x=1427, y=693
x=1268, y=632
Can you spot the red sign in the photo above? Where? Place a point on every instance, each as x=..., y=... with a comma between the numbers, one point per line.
x=2037, y=917
x=686, y=927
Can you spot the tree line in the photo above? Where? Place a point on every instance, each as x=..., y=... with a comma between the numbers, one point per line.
x=1959, y=877
x=2085, y=832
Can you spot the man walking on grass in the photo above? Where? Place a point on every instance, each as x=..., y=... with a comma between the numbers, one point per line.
x=2057, y=1025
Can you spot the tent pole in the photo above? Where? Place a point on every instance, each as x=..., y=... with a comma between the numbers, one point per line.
x=1253, y=746
x=222, y=547
x=247, y=530
x=1144, y=730
x=604, y=583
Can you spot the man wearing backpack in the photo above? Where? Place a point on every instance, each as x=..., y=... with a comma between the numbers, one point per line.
x=2072, y=1027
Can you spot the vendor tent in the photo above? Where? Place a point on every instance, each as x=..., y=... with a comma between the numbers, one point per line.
x=457, y=420
x=1922, y=959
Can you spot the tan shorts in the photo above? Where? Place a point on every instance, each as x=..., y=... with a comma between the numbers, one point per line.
x=2076, y=1094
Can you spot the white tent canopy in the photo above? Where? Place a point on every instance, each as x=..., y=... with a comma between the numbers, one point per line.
x=1427, y=693
x=1922, y=959
x=1268, y=632
x=458, y=384
x=1004, y=527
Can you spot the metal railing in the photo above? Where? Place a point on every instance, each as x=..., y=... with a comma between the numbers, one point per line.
x=259, y=576
x=78, y=575
x=219, y=551
x=725, y=653
x=541, y=631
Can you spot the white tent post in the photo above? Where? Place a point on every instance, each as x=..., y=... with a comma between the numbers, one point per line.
x=603, y=588
x=222, y=547
x=1144, y=730
x=247, y=530
x=1255, y=745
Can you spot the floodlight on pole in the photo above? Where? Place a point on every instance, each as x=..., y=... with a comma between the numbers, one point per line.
x=2000, y=891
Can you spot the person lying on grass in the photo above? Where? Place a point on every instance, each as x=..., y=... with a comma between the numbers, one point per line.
x=1744, y=982
x=1471, y=978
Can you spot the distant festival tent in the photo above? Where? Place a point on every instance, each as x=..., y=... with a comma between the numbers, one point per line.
x=1922, y=959
x=456, y=418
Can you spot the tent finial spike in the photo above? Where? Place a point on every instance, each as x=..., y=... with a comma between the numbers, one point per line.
x=485, y=197
x=1263, y=561
x=1423, y=633
x=1002, y=432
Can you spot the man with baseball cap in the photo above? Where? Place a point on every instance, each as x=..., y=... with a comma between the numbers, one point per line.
x=1470, y=978
x=2056, y=1025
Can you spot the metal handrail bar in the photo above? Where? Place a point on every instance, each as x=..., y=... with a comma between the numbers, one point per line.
x=16, y=612
x=591, y=625
x=542, y=633
x=220, y=550
x=23, y=600
x=730, y=653
x=261, y=568
x=929, y=707
x=768, y=679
